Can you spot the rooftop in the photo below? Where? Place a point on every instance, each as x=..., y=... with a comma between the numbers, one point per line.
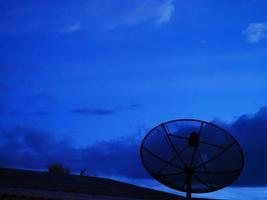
x=44, y=185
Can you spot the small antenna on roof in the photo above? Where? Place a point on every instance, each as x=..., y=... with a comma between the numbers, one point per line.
x=83, y=172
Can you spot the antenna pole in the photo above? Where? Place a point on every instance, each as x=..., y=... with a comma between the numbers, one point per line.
x=188, y=186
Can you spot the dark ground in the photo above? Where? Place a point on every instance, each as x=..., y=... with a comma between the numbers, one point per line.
x=22, y=179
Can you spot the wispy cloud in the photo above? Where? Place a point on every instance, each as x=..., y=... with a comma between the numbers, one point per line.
x=165, y=12
x=255, y=32
x=18, y=113
x=94, y=111
x=40, y=113
x=134, y=106
x=103, y=111
x=71, y=28
x=98, y=14
x=145, y=11
x=79, y=111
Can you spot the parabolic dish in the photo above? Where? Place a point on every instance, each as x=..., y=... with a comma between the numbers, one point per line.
x=185, y=151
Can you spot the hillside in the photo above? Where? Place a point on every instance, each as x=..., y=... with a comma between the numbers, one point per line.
x=22, y=182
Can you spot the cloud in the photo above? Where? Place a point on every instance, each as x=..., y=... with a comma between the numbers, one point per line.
x=165, y=12
x=11, y=113
x=145, y=11
x=40, y=112
x=103, y=111
x=120, y=156
x=40, y=148
x=255, y=32
x=134, y=106
x=71, y=28
x=54, y=17
x=80, y=111
x=251, y=132
x=117, y=157
x=18, y=113
x=94, y=111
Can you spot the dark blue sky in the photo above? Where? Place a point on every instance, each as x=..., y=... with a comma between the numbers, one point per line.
x=88, y=71
x=163, y=59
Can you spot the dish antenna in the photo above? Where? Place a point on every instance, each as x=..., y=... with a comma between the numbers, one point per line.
x=192, y=156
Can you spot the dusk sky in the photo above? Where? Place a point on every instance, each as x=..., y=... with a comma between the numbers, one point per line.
x=83, y=81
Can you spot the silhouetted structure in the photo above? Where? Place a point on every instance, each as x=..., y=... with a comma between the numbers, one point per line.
x=192, y=156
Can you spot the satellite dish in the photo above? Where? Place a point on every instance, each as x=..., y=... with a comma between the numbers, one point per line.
x=192, y=156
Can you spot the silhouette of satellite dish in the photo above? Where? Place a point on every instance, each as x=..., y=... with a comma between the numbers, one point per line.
x=192, y=156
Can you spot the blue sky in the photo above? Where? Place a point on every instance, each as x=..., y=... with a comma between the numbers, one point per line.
x=95, y=71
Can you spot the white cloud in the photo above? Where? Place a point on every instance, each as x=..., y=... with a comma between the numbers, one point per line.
x=141, y=11
x=157, y=12
x=104, y=14
x=71, y=28
x=255, y=32
x=165, y=12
